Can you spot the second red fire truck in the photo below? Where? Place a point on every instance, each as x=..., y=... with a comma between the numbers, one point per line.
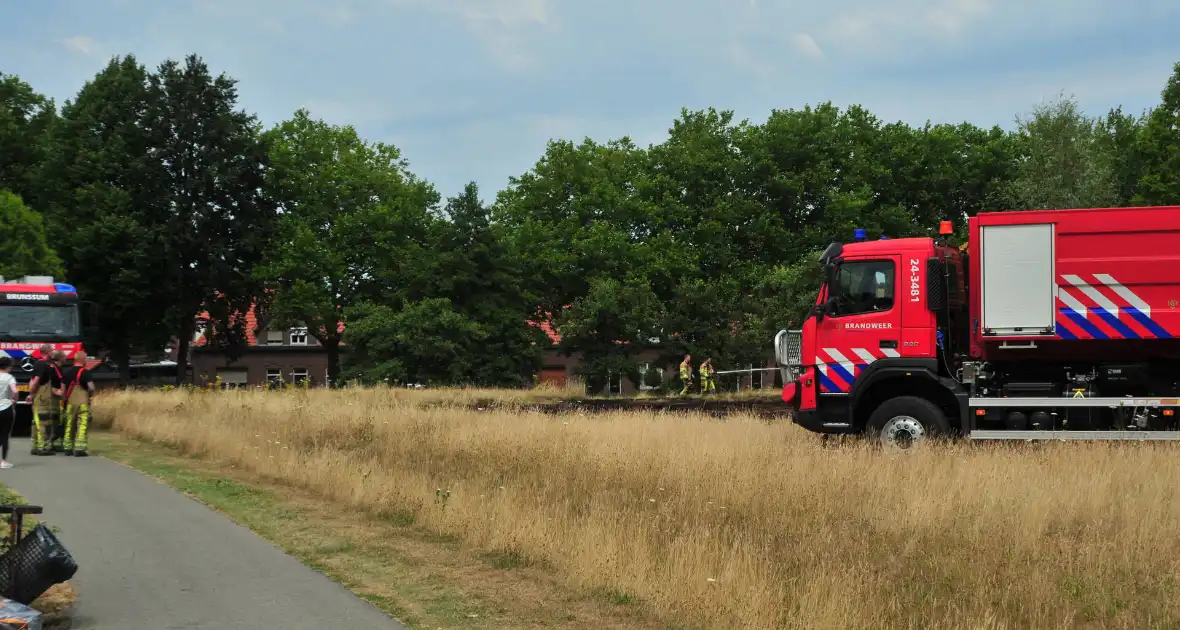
x=1057, y=324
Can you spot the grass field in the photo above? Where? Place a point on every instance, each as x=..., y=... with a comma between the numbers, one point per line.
x=736, y=523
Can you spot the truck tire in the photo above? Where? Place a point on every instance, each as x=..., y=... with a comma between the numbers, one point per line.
x=907, y=422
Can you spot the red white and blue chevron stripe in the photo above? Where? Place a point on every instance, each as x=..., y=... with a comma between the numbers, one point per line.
x=1096, y=306
x=837, y=372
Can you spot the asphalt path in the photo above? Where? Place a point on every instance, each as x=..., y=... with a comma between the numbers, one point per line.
x=151, y=558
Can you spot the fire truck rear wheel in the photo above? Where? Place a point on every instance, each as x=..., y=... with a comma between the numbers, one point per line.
x=906, y=422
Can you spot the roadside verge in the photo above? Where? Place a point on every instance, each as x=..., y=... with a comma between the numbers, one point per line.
x=424, y=580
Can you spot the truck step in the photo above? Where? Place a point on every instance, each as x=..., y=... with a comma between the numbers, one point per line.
x=1074, y=435
x=1073, y=402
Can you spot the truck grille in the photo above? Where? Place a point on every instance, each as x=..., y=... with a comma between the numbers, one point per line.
x=788, y=348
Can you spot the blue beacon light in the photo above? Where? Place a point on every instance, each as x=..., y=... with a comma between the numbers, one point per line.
x=62, y=287
x=859, y=234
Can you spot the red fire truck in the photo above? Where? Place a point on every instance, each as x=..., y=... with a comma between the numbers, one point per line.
x=36, y=310
x=1056, y=324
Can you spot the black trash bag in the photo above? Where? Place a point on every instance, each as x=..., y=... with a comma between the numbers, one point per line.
x=33, y=565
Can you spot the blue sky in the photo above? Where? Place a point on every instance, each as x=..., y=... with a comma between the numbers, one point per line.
x=472, y=89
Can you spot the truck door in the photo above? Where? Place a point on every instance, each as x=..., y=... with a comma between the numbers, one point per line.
x=863, y=322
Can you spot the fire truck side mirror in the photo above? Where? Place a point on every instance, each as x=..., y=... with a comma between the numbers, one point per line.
x=819, y=310
x=830, y=277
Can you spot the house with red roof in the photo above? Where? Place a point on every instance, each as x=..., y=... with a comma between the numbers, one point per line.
x=273, y=355
x=276, y=355
x=558, y=370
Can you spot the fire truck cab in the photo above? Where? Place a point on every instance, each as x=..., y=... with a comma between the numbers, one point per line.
x=873, y=335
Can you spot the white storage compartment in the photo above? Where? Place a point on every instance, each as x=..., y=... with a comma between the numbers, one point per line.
x=1018, y=288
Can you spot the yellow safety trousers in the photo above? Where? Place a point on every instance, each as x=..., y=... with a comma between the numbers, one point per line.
x=76, y=440
x=46, y=408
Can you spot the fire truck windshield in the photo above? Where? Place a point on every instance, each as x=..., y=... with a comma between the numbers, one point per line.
x=863, y=287
x=20, y=322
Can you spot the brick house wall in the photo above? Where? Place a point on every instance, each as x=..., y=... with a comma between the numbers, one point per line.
x=271, y=354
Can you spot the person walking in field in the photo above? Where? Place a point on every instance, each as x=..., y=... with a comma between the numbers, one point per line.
x=708, y=377
x=686, y=373
x=79, y=388
x=8, y=398
x=45, y=399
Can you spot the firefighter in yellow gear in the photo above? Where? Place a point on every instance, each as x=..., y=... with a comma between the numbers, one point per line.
x=78, y=390
x=686, y=373
x=708, y=377
x=45, y=400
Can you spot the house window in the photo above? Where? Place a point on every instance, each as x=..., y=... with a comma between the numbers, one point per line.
x=232, y=379
x=274, y=336
x=274, y=377
x=299, y=336
x=299, y=376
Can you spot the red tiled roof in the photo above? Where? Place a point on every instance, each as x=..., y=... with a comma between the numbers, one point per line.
x=547, y=325
x=251, y=326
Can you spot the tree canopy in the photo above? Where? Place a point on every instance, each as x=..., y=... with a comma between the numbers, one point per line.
x=160, y=199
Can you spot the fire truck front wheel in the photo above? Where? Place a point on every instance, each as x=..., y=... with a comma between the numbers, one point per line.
x=906, y=422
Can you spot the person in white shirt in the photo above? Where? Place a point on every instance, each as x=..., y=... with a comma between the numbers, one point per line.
x=8, y=398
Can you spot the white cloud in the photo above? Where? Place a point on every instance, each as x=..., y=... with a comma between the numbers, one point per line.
x=80, y=43
x=749, y=61
x=899, y=28
x=503, y=26
x=509, y=13
x=806, y=45
x=337, y=15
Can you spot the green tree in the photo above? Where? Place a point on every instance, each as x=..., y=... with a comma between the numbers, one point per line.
x=25, y=119
x=819, y=170
x=939, y=172
x=576, y=216
x=578, y=219
x=106, y=209
x=27, y=251
x=218, y=219
x=426, y=342
x=1121, y=135
x=1064, y=161
x=484, y=280
x=609, y=326
x=714, y=235
x=355, y=227
x=1160, y=148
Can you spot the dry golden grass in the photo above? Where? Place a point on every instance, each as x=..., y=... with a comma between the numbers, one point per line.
x=56, y=605
x=725, y=524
